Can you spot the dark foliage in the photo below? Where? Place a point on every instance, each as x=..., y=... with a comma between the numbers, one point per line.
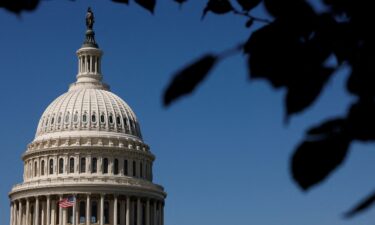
x=147, y=4
x=324, y=150
x=17, y=6
x=290, y=52
x=185, y=81
x=217, y=7
x=364, y=204
x=248, y=5
x=121, y=1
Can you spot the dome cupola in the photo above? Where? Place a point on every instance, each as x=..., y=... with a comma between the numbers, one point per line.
x=88, y=107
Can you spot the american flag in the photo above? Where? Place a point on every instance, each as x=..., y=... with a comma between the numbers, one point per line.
x=67, y=202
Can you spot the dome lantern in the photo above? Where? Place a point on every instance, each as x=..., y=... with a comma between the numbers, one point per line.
x=89, y=60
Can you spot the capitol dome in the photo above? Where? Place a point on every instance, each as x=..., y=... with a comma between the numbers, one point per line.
x=88, y=163
x=86, y=111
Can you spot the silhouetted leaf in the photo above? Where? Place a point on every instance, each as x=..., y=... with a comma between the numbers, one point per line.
x=249, y=23
x=187, y=79
x=267, y=48
x=327, y=128
x=303, y=93
x=361, y=120
x=248, y=5
x=16, y=6
x=147, y=4
x=289, y=9
x=180, y=1
x=313, y=161
x=362, y=80
x=121, y=1
x=217, y=7
x=364, y=204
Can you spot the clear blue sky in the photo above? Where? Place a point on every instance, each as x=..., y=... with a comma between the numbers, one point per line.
x=222, y=154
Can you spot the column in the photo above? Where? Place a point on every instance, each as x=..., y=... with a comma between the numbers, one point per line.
x=122, y=212
x=127, y=210
x=64, y=216
x=74, y=209
x=88, y=209
x=121, y=166
x=48, y=216
x=115, y=210
x=139, y=211
x=162, y=214
x=43, y=213
x=27, y=211
x=148, y=212
x=77, y=164
x=20, y=212
x=60, y=212
x=36, y=214
x=53, y=212
x=154, y=220
x=102, y=209
x=88, y=162
x=13, y=218
x=11, y=213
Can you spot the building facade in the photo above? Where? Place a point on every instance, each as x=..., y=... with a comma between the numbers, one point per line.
x=88, y=148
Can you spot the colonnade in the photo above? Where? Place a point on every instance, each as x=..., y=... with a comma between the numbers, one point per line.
x=88, y=209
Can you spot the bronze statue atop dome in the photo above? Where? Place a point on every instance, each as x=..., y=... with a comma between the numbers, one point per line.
x=89, y=19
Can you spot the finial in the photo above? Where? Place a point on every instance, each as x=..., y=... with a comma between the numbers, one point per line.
x=89, y=19
x=90, y=34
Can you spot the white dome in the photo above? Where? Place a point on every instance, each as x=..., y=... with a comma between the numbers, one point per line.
x=82, y=110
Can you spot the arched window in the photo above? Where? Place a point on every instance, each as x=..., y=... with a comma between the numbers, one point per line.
x=102, y=119
x=67, y=117
x=141, y=169
x=94, y=165
x=94, y=212
x=52, y=120
x=110, y=119
x=131, y=126
x=61, y=165
x=42, y=168
x=59, y=119
x=93, y=118
x=84, y=63
x=35, y=169
x=88, y=65
x=134, y=168
x=115, y=167
x=51, y=166
x=84, y=118
x=126, y=167
x=82, y=212
x=71, y=165
x=118, y=121
x=105, y=165
x=75, y=118
x=83, y=165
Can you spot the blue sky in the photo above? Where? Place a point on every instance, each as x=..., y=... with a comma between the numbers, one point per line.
x=222, y=153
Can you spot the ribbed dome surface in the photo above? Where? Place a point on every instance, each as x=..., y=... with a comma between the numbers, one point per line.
x=88, y=109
